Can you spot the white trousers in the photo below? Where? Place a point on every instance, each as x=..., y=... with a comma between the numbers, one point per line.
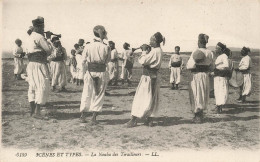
x=247, y=85
x=73, y=72
x=18, y=65
x=221, y=90
x=58, y=73
x=113, y=70
x=90, y=101
x=175, y=76
x=199, y=91
x=39, y=83
x=146, y=100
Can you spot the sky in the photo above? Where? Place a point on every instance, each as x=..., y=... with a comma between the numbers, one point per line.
x=235, y=23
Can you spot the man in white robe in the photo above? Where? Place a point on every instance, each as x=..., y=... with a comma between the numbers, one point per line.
x=175, y=65
x=113, y=64
x=96, y=55
x=244, y=67
x=221, y=73
x=200, y=63
x=146, y=100
x=38, y=74
x=18, y=59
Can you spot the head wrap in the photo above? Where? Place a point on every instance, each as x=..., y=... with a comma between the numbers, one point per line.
x=100, y=32
x=159, y=38
x=81, y=41
x=245, y=51
x=111, y=42
x=222, y=46
x=126, y=45
x=198, y=56
x=76, y=46
x=203, y=38
x=18, y=41
x=177, y=47
x=73, y=52
x=227, y=51
x=38, y=22
x=145, y=47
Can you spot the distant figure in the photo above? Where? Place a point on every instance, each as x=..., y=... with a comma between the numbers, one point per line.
x=221, y=74
x=96, y=55
x=175, y=65
x=73, y=67
x=128, y=63
x=58, y=66
x=18, y=59
x=244, y=67
x=80, y=70
x=38, y=74
x=113, y=64
x=146, y=100
x=200, y=63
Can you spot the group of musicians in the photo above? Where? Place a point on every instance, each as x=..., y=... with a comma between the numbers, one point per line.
x=96, y=66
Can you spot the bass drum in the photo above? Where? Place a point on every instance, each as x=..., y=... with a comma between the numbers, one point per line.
x=237, y=79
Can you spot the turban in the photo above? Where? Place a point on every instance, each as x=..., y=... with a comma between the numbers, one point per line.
x=76, y=46
x=245, y=51
x=203, y=38
x=227, y=51
x=111, y=42
x=177, y=47
x=81, y=41
x=222, y=46
x=144, y=47
x=198, y=56
x=38, y=22
x=73, y=52
x=100, y=32
x=17, y=41
x=126, y=45
x=159, y=38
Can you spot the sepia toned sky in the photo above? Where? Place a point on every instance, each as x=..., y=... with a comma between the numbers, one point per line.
x=235, y=23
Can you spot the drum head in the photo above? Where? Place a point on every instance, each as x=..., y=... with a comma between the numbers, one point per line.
x=237, y=79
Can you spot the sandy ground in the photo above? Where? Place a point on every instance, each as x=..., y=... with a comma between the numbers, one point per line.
x=237, y=128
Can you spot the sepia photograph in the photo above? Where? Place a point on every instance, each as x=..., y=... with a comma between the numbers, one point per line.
x=130, y=80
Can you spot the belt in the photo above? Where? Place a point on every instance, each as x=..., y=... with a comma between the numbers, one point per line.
x=147, y=71
x=96, y=67
x=176, y=64
x=247, y=71
x=58, y=59
x=222, y=73
x=201, y=68
x=40, y=57
x=114, y=60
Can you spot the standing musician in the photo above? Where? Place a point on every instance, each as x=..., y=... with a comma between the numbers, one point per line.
x=113, y=64
x=146, y=100
x=38, y=75
x=244, y=67
x=18, y=59
x=200, y=64
x=96, y=55
x=58, y=66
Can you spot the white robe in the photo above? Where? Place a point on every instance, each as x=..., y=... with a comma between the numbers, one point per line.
x=18, y=62
x=38, y=73
x=90, y=101
x=58, y=70
x=126, y=74
x=199, y=85
x=113, y=66
x=246, y=63
x=80, y=70
x=146, y=103
x=221, y=83
x=175, y=76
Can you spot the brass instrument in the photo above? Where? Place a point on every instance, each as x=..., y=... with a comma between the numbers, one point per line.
x=57, y=35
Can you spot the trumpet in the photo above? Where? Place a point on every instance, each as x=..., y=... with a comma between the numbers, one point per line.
x=57, y=35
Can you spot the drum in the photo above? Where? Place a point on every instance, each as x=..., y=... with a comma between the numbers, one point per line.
x=237, y=79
